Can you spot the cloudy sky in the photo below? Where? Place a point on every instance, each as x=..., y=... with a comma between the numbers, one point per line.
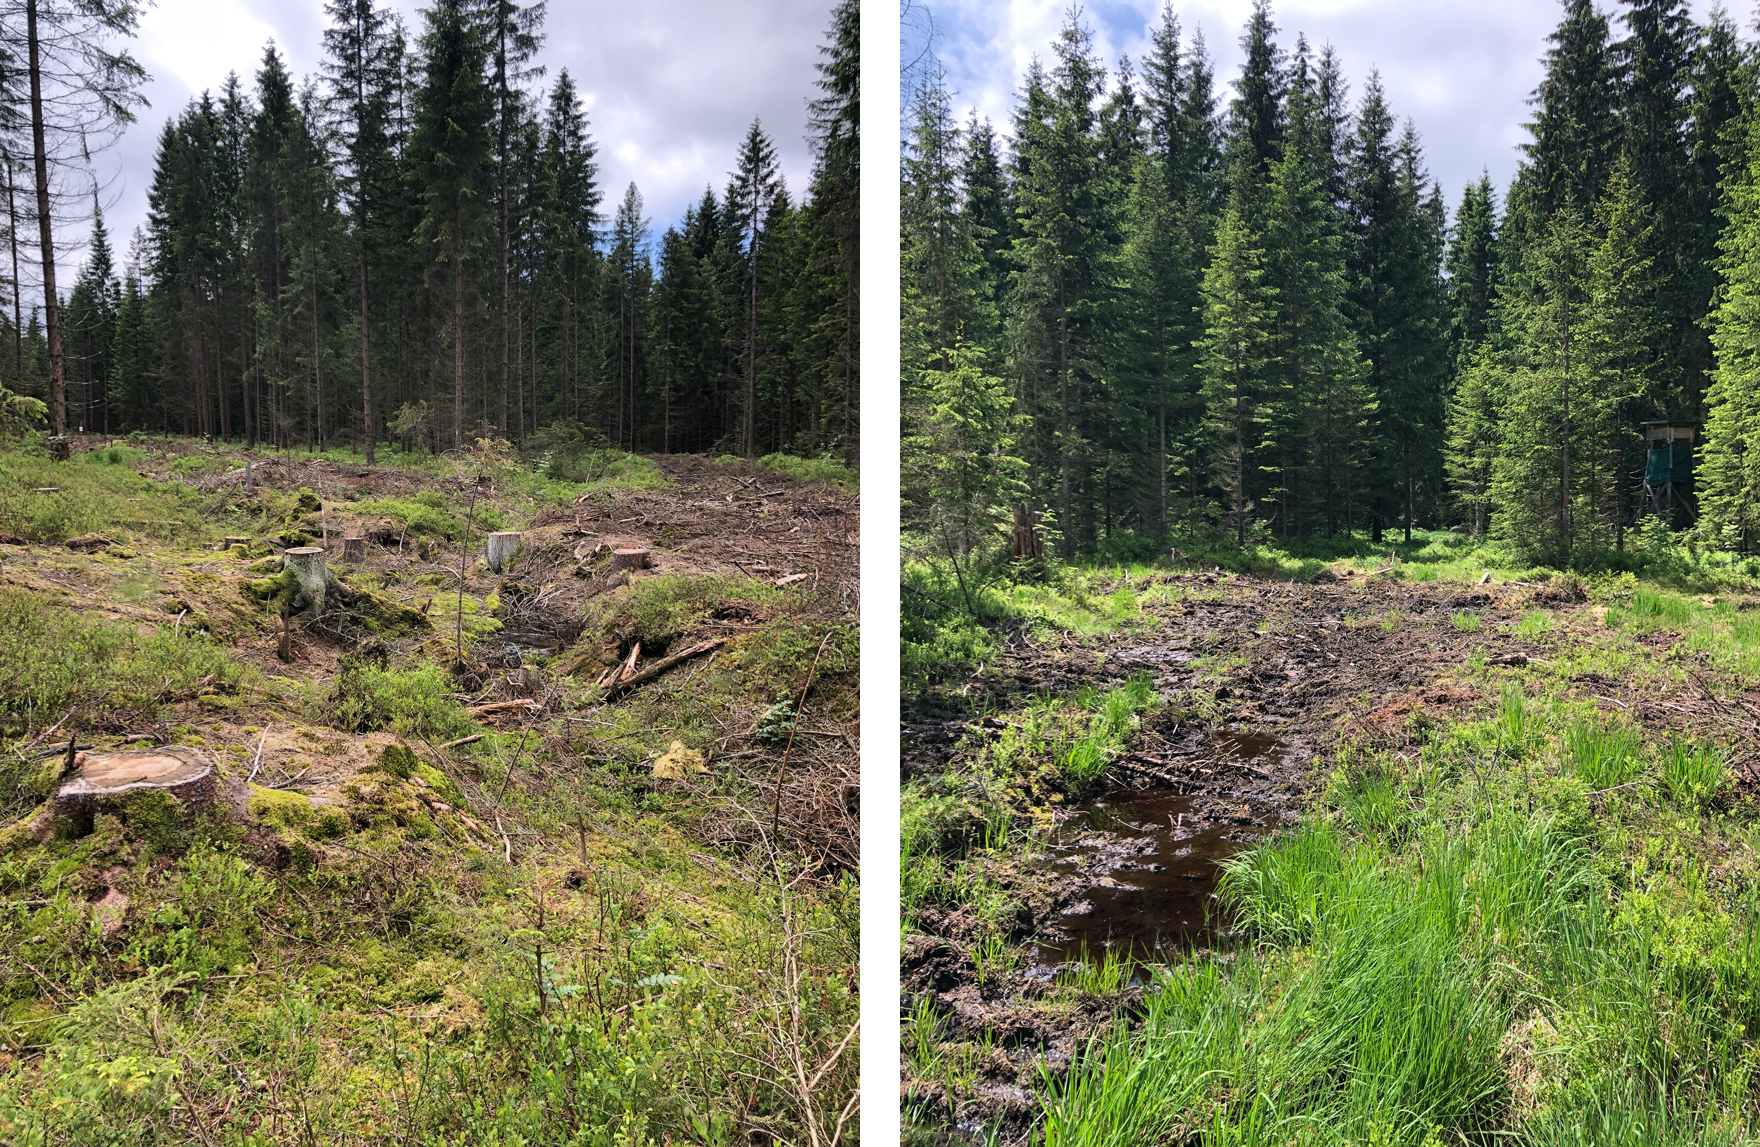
x=670, y=86
x=1462, y=70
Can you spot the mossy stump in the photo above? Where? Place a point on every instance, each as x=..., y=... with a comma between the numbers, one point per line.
x=113, y=782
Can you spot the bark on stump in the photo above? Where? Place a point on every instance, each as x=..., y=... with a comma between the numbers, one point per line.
x=628, y=559
x=504, y=547
x=354, y=549
x=312, y=571
x=106, y=781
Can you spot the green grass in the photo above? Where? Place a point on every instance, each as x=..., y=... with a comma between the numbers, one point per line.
x=94, y=493
x=825, y=471
x=52, y=658
x=1457, y=952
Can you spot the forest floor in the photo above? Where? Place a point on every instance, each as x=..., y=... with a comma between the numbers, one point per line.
x=485, y=879
x=1077, y=969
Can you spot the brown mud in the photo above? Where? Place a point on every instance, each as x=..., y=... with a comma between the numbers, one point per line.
x=1262, y=681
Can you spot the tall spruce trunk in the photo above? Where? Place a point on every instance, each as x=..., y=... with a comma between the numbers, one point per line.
x=45, y=232
x=366, y=360
x=1063, y=424
x=751, y=396
x=458, y=320
x=17, y=306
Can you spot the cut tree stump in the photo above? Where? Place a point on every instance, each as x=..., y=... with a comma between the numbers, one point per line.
x=106, y=780
x=237, y=540
x=354, y=549
x=628, y=559
x=504, y=547
x=312, y=571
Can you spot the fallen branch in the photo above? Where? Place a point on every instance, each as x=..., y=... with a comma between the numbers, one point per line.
x=472, y=739
x=502, y=708
x=661, y=666
x=258, y=763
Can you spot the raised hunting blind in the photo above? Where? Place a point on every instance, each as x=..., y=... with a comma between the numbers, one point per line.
x=1668, y=473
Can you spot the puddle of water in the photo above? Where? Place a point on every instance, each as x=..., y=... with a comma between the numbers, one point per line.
x=1153, y=873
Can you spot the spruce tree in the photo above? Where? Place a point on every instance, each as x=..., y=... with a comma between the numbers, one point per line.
x=749, y=198
x=451, y=149
x=1235, y=360
x=364, y=71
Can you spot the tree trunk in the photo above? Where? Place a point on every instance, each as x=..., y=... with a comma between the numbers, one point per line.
x=366, y=360
x=458, y=321
x=45, y=232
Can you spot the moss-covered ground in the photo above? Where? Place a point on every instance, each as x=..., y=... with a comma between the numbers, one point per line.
x=457, y=902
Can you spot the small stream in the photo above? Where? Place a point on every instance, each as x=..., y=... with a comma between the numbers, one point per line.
x=1151, y=865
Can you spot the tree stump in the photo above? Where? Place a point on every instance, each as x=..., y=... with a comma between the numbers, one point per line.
x=106, y=781
x=504, y=547
x=628, y=559
x=312, y=571
x=354, y=549
x=237, y=540
x=60, y=448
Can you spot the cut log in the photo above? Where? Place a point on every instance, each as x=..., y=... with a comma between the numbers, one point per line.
x=312, y=571
x=628, y=559
x=495, y=710
x=661, y=666
x=105, y=781
x=504, y=547
x=354, y=549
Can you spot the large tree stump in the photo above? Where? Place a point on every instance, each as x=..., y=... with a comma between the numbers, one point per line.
x=504, y=547
x=312, y=571
x=106, y=782
x=354, y=549
x=628, y=559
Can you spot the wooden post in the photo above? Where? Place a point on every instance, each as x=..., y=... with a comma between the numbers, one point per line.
x=312, y=571
x=504, y=547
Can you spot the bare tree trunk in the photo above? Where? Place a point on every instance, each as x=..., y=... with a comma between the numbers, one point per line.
x=1063, y=428
x=45, y=231
x=366, y=360
x=751, y=435
x=317, y=349
x=17, y=306
x=458, y=321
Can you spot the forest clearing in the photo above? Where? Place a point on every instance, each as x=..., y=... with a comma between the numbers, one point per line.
x=564, y=851
x=1396, y=848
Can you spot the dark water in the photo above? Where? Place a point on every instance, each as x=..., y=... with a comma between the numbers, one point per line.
x=1153, y=871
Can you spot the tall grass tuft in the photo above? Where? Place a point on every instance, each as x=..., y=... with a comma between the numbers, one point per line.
x=1604, y=757
x=1693, y=774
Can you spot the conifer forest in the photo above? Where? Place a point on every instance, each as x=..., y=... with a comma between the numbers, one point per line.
x=1329, y=657
x=1168, y=305
x=414, y=244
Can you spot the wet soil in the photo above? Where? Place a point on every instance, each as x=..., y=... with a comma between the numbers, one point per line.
x=1147, y=863
x=1262, y=680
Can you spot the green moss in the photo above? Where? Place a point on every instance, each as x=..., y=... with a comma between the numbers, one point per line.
x=308, y=502
x=152, y=815
x=279, y=808
x=441, y=784
x=399, y=761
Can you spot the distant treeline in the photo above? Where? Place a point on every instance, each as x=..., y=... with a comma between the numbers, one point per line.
x=1147, y=312
x=412, y=245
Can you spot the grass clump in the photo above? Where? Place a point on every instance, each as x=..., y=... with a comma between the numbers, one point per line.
x=423, y=514
x=823, y=471
x=52, y=658
x=102, y=495
x=366, y=695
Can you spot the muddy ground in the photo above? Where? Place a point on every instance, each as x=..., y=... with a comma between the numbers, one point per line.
x=1262, y=681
